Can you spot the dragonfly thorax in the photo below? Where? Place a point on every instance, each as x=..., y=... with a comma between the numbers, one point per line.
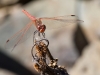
x=41, y=28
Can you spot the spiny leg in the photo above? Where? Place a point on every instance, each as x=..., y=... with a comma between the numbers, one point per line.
x=34, y=35
x=38, y=33
x=32, y=51
x=43, y=34
x=45, y=41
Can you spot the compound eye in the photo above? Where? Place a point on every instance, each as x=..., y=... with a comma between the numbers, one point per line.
x=42, y=28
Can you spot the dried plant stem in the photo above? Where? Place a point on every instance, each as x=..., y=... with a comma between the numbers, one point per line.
x=41, y=65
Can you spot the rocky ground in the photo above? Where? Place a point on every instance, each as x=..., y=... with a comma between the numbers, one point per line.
x=62, y=44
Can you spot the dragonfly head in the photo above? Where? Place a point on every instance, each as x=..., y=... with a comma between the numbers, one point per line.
x=41, y=28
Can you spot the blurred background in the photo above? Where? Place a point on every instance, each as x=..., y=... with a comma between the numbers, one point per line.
x=77, y=46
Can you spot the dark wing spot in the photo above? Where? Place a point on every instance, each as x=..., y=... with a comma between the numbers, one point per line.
x=7, y=41
x=72, y=15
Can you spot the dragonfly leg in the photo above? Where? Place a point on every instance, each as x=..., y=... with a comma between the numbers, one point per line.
x=34, y=35
x=35, y=32
x=43, y=34
x=44, y=40
x=32, y=52
x=38, y=33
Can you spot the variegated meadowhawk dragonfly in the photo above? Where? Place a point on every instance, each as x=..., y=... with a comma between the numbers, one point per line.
x=41, y=24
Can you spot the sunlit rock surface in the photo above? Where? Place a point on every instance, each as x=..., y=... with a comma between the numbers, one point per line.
x=88, y=63
x=61, y=39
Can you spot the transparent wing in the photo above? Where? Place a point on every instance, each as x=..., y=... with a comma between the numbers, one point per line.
x=19, y=37
x=60, y=21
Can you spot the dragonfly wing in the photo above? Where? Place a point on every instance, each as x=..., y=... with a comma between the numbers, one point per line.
x=60, y=21
x=19, y=37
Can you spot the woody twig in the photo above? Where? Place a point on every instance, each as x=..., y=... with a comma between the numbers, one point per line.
x=41, y=65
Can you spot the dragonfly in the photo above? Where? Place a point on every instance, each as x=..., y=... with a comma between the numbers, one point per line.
x=41, y=25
